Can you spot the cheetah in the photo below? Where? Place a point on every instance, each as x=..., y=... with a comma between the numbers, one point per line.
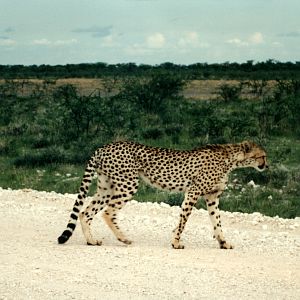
x=200, y=172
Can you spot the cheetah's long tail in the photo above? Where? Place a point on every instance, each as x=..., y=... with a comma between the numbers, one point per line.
x=83, y=191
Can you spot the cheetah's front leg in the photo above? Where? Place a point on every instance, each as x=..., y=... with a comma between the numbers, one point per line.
x=212, y=203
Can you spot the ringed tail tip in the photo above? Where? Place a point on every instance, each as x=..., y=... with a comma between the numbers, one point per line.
x=64, y=236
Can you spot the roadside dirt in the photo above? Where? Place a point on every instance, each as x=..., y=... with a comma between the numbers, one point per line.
x=265, y=263
x=194, y=89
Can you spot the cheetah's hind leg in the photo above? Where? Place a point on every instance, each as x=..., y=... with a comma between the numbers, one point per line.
x=109, y=217
x=100, y=200
x=117, y=202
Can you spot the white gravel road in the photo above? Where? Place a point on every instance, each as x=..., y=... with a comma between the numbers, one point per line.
x=265, y=263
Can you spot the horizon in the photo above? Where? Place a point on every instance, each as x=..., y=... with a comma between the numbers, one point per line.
x=159, y=64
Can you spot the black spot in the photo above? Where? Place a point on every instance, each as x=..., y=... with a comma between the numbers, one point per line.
x=71, y=225
x=73, y=216
x=75, y=209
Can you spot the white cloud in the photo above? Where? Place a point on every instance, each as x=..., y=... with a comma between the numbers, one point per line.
x=256, y=38
x=156, y=40
x=237, y=42
x=153, y=42
x=64, y=42
x=108, y=41
x=137, y=49
x=41, y=42
x=46, y=42
x=159, y=42
x=189, y=39
x=7, y=42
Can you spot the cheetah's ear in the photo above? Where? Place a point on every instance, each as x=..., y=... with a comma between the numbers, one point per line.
x=247, y=146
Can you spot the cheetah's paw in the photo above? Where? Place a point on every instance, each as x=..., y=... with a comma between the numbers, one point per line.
x=225, y=245
x=125, y=241
x=177, y=246
x=94, y=243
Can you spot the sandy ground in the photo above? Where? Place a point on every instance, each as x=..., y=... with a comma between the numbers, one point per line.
x=265, y=263
x=195, y=89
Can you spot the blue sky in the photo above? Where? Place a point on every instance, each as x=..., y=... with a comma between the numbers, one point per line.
x=148, y=31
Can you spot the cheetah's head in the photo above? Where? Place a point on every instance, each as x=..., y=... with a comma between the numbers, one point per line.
x=253, y=156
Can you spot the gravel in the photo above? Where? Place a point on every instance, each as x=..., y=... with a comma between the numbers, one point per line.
x=265, y=263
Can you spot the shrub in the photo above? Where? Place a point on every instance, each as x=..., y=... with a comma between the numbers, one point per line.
x=174, y=199
x=151, y=95
x=152, y=133
x=41, y=158
x=229, y=92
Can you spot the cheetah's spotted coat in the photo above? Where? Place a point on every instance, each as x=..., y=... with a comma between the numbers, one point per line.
x=199, y=172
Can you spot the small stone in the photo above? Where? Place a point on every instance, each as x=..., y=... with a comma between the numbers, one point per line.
x=251, y=183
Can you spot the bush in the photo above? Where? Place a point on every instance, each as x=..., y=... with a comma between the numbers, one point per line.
x=151, y=95
x=152, y=133
x=174, y=199
x=228, y=124
x=229, y=93
x=41, y=158
x=280, y=112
